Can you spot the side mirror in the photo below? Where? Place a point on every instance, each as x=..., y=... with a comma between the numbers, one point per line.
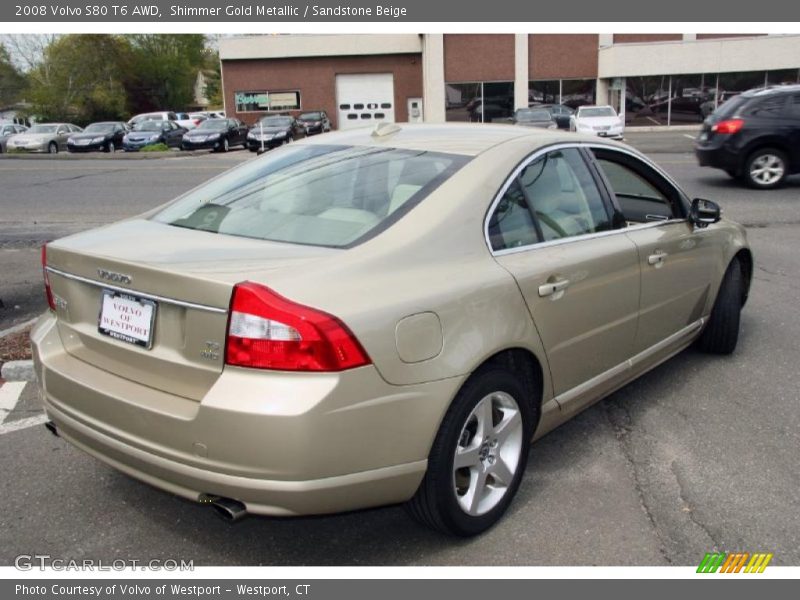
x=704, y=212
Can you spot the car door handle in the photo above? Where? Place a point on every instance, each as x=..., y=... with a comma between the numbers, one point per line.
x=657, y=258
x=548, y=289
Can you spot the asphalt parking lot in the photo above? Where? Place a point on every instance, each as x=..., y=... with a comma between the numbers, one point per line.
x=699, y=454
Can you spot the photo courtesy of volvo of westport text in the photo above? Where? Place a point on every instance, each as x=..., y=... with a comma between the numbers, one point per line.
x=288, y=10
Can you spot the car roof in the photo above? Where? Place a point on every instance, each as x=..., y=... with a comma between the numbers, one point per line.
x=768, y=91
x=468, y=139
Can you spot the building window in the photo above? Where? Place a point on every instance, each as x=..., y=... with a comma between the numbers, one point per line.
x=481, y=102
x=570, y=92
x=688, y=99
x=263, y=101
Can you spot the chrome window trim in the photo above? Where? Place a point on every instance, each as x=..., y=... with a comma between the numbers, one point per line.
x=146, y=296
x=586, y=236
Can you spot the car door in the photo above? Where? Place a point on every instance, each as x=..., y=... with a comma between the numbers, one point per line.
x=676, y=259
x=551, y=228
x=793, y=123
x=62, y=135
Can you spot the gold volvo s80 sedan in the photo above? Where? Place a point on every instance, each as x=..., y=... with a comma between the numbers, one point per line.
x=377, y=317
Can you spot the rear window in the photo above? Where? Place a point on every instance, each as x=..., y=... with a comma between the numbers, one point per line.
x=729, y=107
x=336, y=196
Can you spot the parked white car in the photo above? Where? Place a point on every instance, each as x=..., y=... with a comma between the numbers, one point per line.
x=163, y=115
x=602, y=121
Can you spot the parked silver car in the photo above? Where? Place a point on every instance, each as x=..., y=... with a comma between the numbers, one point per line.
x=6, y=131
x=43, y=137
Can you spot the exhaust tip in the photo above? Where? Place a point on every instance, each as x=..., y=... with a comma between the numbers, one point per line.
x=51, y=427
x=228, y=509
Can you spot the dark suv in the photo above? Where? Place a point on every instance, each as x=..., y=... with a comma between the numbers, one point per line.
x=754, y=136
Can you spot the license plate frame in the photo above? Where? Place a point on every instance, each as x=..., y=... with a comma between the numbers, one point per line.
x=114, y=325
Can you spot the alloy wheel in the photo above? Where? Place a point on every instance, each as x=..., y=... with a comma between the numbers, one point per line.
x=767, y=169
x=487, y=455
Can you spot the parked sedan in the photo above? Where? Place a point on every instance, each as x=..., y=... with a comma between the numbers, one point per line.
x=7, y=130
x=314, y=122
x=371, y=323
x=601, y=121
x=43, y=137
x=148, y=133
x=274, y=131
x=216, y=134
x=105, y=136
x=533, y=117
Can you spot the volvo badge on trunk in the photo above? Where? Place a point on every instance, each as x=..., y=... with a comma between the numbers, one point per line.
x=115, y=277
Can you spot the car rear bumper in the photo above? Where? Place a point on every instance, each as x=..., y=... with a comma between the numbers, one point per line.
x=280, y=443
x=718, y=157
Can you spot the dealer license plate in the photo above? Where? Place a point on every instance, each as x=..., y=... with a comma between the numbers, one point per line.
x=127, y=318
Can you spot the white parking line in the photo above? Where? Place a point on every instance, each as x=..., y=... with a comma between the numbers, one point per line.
x=10, y=393
x=691, y=137
x=22, y=424
x=9, y=396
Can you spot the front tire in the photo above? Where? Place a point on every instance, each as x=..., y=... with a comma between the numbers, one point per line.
x=111, y=148
x=766, y=168
x=52, y=148
x=722, y=332
x=479, y=456
x=225, y=145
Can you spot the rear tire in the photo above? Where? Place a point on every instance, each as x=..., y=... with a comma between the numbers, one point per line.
x=487, y=429
x=722, y=331
x=766, y=168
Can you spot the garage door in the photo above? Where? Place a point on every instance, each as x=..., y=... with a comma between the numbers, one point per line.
x=364, y=99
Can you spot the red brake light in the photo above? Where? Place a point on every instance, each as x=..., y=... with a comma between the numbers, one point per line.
x=197, y=121
x=728, y=126
x=268, y=331
x=48, y=292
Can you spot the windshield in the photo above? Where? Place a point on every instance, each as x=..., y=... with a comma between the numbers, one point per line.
x=319, y=195
x=148, y=126
x=275, y=122
x=43, y=129
x=99, y=128
x=312, y=116
x=533, y=115
x=214, y=124
x=597, y=111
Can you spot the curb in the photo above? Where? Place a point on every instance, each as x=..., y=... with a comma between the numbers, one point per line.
x=661, y=128
x=18, y=370
x=18, y=327
x=104, y=156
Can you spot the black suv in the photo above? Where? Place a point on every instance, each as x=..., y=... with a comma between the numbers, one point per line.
x=754, y=136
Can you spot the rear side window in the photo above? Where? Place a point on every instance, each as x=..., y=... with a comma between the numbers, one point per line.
x=768, y=107
x=334, y=196
x=794, y=106
x=564, y=196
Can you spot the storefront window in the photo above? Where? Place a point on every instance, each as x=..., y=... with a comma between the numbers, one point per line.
x=465, y=101
x=783, y=77
x=578, y=92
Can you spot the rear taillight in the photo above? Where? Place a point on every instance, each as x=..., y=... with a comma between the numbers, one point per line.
x=197, y=121
x=267, y=331
x=728, y=126
x=48, y=292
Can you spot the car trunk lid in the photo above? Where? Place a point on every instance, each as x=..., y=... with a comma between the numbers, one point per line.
x=179, y=280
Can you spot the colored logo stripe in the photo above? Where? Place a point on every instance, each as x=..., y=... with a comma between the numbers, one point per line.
x=734, y=562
